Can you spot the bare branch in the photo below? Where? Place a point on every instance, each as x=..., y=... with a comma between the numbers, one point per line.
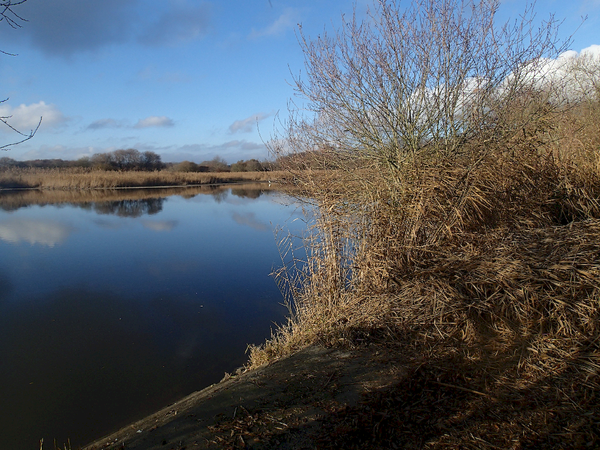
x=427, y=77
x=8, y=15
x=26, y=136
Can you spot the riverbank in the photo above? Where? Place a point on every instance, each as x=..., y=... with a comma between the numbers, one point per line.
x=280, y=405
x=369, y=397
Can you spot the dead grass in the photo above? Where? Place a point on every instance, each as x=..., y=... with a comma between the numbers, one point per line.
x=76, y=179
x=488, y=263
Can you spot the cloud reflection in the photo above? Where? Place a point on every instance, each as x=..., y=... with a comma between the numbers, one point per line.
x=249, y=219
x=109, y=225
x=34, y=232
x=156, y=225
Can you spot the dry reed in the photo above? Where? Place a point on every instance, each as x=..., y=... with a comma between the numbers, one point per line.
x=487, y=262
x=97, y=179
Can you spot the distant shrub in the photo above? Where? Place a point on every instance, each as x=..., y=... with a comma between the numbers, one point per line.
x=252, y=165
x=126, y=160
x=185, y=166
x=217, y=164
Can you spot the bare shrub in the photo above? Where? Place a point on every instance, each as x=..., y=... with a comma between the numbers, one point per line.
x=419, y=81
x=463, y=210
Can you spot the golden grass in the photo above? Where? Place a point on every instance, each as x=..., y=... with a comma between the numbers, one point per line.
x=487, y=262
x=97, y=179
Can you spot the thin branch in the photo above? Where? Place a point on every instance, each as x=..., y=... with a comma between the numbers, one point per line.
x=28, y=136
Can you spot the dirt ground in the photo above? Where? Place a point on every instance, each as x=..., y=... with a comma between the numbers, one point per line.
x=375, y=397
x=280, y=405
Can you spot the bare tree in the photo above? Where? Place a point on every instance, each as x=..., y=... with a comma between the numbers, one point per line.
x=422, y=78
x=14, y=20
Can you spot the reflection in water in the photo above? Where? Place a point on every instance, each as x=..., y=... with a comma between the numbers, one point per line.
x=219, y=195
x=14, y=200
x=246, y=193
x=6, y=287
x=124, y=317
x=108, y=224
x=249, y=219
x=165, y=225
x=130, y=208
x=34, y=232
x=131, y=352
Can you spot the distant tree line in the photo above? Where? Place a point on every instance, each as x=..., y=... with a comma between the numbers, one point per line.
x=122, y=160
x=7, y=163
x=125, y=160
x=134, y=160
x=218, y=164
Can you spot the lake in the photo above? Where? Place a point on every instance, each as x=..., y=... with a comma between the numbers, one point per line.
x=114, y=304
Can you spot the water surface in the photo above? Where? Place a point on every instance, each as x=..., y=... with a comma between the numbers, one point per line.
x=114, y=305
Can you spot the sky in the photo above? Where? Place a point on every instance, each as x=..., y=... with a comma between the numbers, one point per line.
x=189, y=80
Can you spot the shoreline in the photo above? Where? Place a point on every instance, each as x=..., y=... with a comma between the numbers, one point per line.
x=278, y=405
x=89, y=180
x=117, y=188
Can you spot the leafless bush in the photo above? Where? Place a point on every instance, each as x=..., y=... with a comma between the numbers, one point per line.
x=445, y=213
x=424, y=79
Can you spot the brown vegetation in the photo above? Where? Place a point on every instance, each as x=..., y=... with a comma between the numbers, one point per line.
x=100, y=179
x=465, y=230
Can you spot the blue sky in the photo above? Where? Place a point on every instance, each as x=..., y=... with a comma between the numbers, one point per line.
x=186, y=79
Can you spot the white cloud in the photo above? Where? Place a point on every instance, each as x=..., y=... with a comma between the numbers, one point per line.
x=154, y=121
x=106, y=123
x=285, y=22
x=592, y=50
x=572, y=75
x=25, y=152
x=591, y=3
x=148, y=122
x=26, y=117
x=248, y=124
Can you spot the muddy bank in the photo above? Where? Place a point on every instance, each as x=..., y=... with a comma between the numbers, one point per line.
x=276, y=406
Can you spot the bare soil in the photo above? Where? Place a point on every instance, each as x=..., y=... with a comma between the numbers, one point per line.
x=374, y=396
x=280, y=405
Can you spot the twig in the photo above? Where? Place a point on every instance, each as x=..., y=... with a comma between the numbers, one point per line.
x=465, y=389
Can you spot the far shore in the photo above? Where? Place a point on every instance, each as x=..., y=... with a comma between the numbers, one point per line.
x=69, y=179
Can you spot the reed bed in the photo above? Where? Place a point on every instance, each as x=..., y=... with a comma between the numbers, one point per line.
x=484, y=264
x=74, y=179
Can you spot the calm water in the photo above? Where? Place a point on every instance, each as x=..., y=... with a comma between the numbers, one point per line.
x=111, y=308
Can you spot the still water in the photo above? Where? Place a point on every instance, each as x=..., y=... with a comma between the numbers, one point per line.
x=116, y=304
